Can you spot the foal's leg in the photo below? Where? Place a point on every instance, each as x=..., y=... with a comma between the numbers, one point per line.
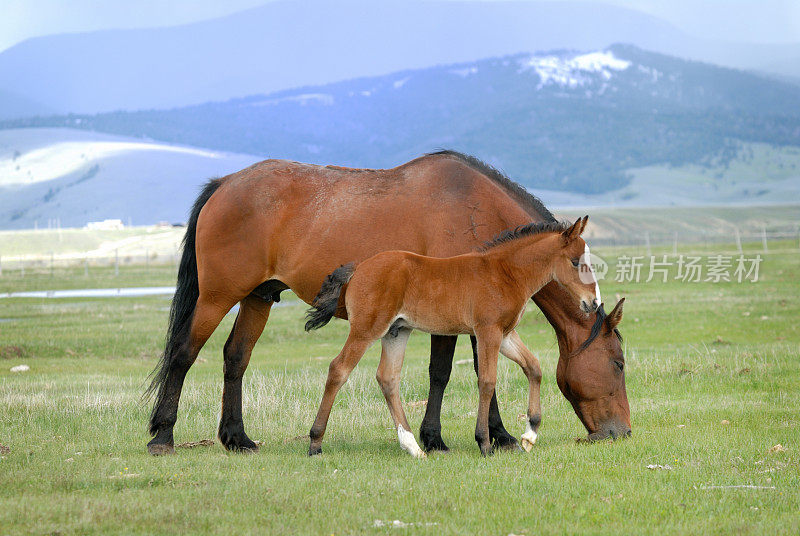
x=253, y=315
x=338, y=372
x=207, y=315
x=497, y=432
x=513, y=348
x=488, y=345
x=393, y=350
x=441, y=363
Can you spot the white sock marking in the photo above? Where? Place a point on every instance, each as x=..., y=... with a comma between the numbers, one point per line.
x=529, y=437
x=408, y=442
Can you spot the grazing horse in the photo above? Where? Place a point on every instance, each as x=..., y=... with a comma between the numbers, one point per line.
x=480, y=293
x=279, y=225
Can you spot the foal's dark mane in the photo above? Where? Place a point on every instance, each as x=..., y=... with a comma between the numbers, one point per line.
x=522, y=231
x=532, y=204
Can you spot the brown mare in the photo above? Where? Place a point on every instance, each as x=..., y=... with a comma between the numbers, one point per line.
x=481, y=293
x=279, y=225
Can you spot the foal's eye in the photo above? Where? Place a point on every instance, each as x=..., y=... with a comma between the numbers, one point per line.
x=620, y=365
x=576, y=262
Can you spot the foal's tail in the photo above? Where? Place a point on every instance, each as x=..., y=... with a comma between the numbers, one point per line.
x=324, y=306
x=184, y=301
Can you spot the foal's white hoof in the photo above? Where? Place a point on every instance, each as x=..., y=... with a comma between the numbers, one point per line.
x=409, y=443
x=527, y=440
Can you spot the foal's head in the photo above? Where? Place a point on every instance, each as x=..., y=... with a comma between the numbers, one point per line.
x=572, y=267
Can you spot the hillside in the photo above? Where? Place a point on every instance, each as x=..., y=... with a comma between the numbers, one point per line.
x=286, y=44
x=78, y=177
x=570, y=121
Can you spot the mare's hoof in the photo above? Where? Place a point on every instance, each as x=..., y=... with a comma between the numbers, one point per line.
x=243, y=449
x=313, y=451
x=505, y=443
x=160, y=449
x=432, y=440
x=243, y=445
x=436, y=446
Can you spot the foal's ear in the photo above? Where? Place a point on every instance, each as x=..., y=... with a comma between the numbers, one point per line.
x=584, y=222
x=615, y=316
x=575, y=230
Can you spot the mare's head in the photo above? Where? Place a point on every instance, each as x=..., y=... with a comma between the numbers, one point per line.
x=572, y=268
x=592, y=378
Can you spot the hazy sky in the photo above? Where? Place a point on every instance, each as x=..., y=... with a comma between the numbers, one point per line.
x=760, y=21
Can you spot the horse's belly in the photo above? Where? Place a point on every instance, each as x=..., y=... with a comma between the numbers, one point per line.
x=434, y=324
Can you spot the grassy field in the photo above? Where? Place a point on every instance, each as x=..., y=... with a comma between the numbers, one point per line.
x=713, y=375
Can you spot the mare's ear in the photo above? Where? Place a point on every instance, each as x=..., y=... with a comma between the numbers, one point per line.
x=615, y=316
x=573, y=232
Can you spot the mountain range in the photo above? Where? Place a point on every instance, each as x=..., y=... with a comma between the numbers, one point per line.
x=288, y=44
x=561, y=120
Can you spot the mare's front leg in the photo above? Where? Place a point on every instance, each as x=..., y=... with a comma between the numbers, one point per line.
x=442, y=349
x=497, y=432
x=338, y=372
x=513, y=348
x=393, y=349
x=488, y=340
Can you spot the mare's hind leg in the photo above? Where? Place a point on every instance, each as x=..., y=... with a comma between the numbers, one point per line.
x=393, y=350
x=497, y=432
x=253, y=315
x=207, y=316
x=441, y=363
x=338, y=372
x=513, y=348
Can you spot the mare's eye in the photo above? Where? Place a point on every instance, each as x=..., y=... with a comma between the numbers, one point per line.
x=576, y=262
x=620, y=365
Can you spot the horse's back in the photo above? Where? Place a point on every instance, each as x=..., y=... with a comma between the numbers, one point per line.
x=296, y=222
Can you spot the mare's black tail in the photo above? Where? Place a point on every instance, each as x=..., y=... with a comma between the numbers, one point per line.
x=183, y=303
x=324, y=306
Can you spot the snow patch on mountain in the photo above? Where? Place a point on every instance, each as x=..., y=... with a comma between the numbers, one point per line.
x=573, y=71
x=302, y=99
x=463, y=73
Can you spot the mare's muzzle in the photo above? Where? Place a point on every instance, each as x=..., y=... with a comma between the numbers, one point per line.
x=612, y=429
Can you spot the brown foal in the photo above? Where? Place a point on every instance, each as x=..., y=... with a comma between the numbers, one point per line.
x=482, y=293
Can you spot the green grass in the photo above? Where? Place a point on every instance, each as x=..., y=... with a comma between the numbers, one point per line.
x=713, y=376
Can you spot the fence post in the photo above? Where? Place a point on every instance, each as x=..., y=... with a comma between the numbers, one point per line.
x=116, y=262
x=738, y=239
x=764, y=237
